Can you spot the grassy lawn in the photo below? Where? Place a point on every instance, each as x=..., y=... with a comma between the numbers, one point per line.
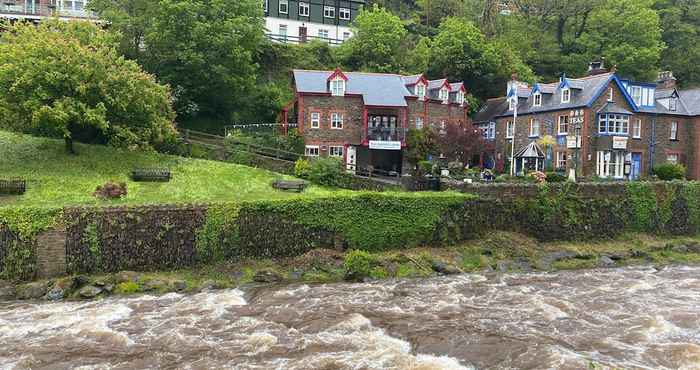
x=57, y=179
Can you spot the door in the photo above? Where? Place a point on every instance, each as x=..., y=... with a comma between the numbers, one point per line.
x=303, y=32
x=636, y=166
x=351, y=159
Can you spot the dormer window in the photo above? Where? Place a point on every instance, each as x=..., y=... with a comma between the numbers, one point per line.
x=537, y=100
x=566, y=95
x=420, y=91
x=444, y=95
x=338, y=86
x=636, y=92
x=511, y=104
x=460, y=98
x=672, y=104
x=611, y=95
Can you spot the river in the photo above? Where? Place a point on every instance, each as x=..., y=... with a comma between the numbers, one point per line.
x=636, y=318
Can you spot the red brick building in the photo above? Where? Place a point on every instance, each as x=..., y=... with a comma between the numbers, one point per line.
x=363, y=118
x=603, y=126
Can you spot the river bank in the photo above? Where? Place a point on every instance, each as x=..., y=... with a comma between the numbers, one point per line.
x=499, y=252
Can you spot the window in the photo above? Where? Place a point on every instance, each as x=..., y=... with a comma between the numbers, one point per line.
x=510, y=130
x=511, y=104
x=610, y=164
x=315, y=120
x=636, y=92
x=346, y=35
x=566, y=95
x=672, y=158
x=537, y=100
x=336, y=121
x=304, y=9
x=311, y=151
x=73, y=5
x=637, y=129
x=563, y=127
x=323, y=34
x=420, y=91
x=562, y=157
x=611, y=95
x=674, y=130
x=284, y=7
x=444, y=94
x=265, y=6
x=534, y=128
x=329, y=12
x=672, y=104
x=344, y=14
x=338, y=87
x=419, y=123
x=488, y=130
x=460, y=98
x=336, y=151
x=613, y=124
x=283, y=30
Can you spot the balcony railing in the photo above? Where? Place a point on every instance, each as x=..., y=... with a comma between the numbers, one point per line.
x=36, y=9
x=301, y=40
x=386, y=134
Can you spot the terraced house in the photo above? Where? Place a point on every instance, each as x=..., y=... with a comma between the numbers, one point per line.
x=35, y=10
x=299, y=21
x=603, y=125
x=363, y=117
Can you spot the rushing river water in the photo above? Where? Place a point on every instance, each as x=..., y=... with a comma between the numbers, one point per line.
x=622, y=318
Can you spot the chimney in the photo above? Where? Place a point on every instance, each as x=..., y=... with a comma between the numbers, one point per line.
x=514, y=83
x=597, y=67
x=666, y=80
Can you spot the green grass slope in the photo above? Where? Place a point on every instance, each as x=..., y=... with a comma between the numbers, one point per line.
x=55, y=178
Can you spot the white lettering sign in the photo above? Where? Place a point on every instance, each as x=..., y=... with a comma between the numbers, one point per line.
x=385, y=145
x=573, y=142
x=619, y=142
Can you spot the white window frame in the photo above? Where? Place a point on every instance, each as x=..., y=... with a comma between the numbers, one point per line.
x=312, y=150
x=637, y=129
x=336, y=151
x=537, y=99
x=566, y=95
x=559, y=125
x=344, y=14
x=444, y=95
x=672, y=104
x=286, y=7
x=534, y=128
x=329, y=12
x=307, y=10
x=460, y=97
x=613, y=124
x=610, y=164
x=511, y=104
x=265, y=6
x=562, y=158
x=674, y=130
x=419, y=123
x=315, y=120
x=636, y=94
x=323, y=34
x=337, y=121
x=338, y=86
x=611, y=95
x=420, y=91
x=673, y=158
x=510, y=129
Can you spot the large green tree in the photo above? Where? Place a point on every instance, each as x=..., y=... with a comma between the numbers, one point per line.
x=205, y=49
x=66, y=79
x=680, y=21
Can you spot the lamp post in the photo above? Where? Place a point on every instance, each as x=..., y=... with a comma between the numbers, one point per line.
x=514, y=102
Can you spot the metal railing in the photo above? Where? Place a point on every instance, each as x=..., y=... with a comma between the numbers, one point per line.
x=36, y=10
x=226, y=143
x=386, y=134
x=285, y=39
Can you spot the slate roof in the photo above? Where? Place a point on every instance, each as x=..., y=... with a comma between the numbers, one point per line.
x=611, y=107
x=411, y=80
x=690, y=99
x=491, y=109
x=436, y=84
x=378, y=89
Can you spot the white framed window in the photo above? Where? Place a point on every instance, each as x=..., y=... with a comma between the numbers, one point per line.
x=511, y=104
x=672, y=158
x=265, y=5
x=537, y=100
x=344, y=14
x=311, y=151
x=460, y=98
x=488, y=130
x=336, y=151
x=562, y=157
x=419, y=123
x=338, y=86
x=323, y=34
x=566, y=95
x=283, y=30
x=304, y=9
x=611, y=95
x=613, y=124
x=420, y=91
x=444, y=95
x=337, y=121
x=563, y=125
x=510, y=129
x=672, y=104
x=637, y=129
x=329, y=12
x=674, y=130
x=610, y=164
x=534, y=128
x=284, y=7
x=636, y=92
x=315, y=120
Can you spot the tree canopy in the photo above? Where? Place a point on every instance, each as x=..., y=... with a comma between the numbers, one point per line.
x=66, y=79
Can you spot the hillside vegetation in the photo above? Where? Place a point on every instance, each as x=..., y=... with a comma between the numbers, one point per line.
x=55, y=178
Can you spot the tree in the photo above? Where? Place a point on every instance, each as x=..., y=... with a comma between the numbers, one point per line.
x=680, y=21
x=462, y=143
x=376, y=46
x=204, y=49
x=66, y=79
x=420, y=144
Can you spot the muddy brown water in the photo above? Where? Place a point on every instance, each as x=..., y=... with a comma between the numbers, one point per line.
x=636, y=318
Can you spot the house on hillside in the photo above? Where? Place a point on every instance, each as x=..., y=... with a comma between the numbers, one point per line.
x=36, y=10
x=299, y=21
x=363, y=118
x=604, y=126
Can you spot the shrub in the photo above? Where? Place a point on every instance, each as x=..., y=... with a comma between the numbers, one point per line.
x=359, y=264
x=556, y=177
x=302, y=168
x=539, y=177
x=110, y=190
x=127, y=287
x=328, y=172
x=668, y=172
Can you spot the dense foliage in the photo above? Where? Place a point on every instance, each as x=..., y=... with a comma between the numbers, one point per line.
x=669, y=171
x=66, y=79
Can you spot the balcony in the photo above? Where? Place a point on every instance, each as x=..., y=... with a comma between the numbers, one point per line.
x=284, y=39
x=34, y=9
x=385, y=138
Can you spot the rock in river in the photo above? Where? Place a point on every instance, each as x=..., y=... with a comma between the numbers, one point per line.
x=266, y=276
x=90, y=291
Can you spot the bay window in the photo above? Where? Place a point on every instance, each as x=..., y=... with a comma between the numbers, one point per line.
x=610, y=164
x=613, y=124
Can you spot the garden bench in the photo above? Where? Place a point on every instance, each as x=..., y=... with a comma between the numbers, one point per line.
x=296, y=185
x=151, y=175
x=13, y=187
